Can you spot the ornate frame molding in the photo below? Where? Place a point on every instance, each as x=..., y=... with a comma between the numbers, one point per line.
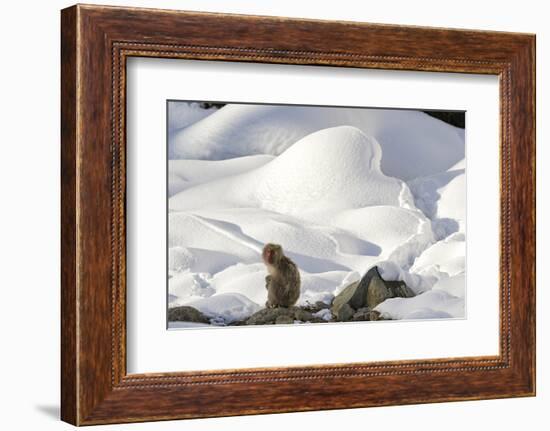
x=96, y=41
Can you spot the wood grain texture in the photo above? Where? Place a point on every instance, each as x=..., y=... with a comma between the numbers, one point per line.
x=96, y=41
x=69, y=331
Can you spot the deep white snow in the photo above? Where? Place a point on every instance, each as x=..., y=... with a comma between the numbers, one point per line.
x=341, y=189
x=413, y=143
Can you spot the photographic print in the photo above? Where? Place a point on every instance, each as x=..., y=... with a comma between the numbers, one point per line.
x=295, y=214
x=294, y=210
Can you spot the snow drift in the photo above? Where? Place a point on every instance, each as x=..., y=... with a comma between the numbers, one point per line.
x=413, y=143
x=341, y=189
x=331, y=169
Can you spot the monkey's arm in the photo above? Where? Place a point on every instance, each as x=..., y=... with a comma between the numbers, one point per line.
x=267, y=281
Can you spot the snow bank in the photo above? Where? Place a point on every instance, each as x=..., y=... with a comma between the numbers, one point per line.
x=413, y=143
x=214, y=245
x=321, y=287
x=183, y=114
x=440, y=266
x=442, y=197
x=225, y=308
x=396, y=230
x=339, y=243
x=248, y=280
x=452, y=285
x=448, y=255
x=180, y=259
x=434, y=304
x=183, y=174
x=187, y=286
x=328, y=185
x=332, y=169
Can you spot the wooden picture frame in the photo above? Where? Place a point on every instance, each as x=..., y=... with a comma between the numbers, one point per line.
x=95, y=43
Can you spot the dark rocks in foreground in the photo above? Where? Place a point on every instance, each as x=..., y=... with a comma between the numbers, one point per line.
x=304, y=314
x=353, y=304
x=366, y=314
x=359, y=298
x=185, y=313
x=281, y=316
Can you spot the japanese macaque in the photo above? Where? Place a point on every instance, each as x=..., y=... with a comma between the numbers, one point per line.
x=283, y=281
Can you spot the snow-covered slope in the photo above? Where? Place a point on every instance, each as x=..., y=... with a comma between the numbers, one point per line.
x=331, y=169
x=413, y=143
x=183, y=114
x=183, y=174
x=327, y=184
x=442, y=197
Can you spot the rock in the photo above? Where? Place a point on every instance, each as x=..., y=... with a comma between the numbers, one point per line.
x=380, y=290
x=370, y=291
x=281, y=316
x=303, y=315
x=320, y=305
x=314, y=308
x=344, y=313
x=365, y=314
x=352, y=295
x=185, y=313
x=284, y=320
x=269, y=316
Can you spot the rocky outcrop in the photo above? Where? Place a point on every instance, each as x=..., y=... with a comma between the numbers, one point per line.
x=357, y=301
x=365, y=314
x=381, y=290
x=354, y=304
x=280, y=316
x=351, y=298
x=343, y=313
x=185, y=313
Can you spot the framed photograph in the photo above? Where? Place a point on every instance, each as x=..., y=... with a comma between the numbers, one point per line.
x=281, y=215
x=360, y=239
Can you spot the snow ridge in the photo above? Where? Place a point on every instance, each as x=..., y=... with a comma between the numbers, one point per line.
x=341, y=190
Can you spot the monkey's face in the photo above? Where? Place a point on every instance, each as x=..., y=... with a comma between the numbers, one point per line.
x=267, y=255
x=270, y=253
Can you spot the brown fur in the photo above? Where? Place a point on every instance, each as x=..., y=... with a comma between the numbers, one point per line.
x=283, y=281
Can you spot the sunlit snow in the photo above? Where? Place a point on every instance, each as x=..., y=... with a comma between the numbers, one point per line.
x=341, y=189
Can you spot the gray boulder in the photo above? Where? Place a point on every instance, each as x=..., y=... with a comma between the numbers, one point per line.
x=284, y=320
x=366, y=314
x=314, y=308
x=354, y=296
x=368, y=292
x=344, y=313
x=379, y=290
x=269, y=316
x=303, y=315
x=280, y=316
x=185, y=313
